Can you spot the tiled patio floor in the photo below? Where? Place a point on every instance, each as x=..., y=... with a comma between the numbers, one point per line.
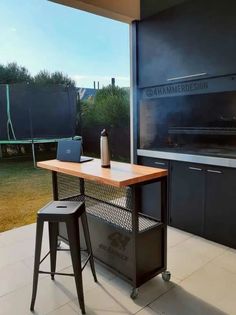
x=203, y=281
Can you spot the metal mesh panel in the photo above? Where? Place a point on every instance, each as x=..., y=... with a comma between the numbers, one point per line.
x=120, y=217
x=117, y=216
x=120, y=197
x=68, y=186
x=107, y=203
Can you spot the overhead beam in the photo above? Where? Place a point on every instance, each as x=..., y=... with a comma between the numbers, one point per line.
x=122, y=10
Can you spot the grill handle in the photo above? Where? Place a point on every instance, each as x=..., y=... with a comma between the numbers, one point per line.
x=188, y=76
x=195, y=168
x=214, y=171
x=160, y=163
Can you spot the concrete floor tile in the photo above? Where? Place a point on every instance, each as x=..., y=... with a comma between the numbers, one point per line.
x=175, y=236
x=64, y=310
x=190, y=255
x=147, y=293
x=18, y=251
x=49, y=297
x=103, y=300
x=147, y=311
x=1, y=242
x=13, y=277
x=214, y=285
x=226, y=261
x=178, y=301
x=24, y=234
x=19, y=234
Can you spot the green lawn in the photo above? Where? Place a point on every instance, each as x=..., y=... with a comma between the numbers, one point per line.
x=23, y=190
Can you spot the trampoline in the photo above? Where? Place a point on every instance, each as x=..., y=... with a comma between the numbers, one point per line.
x=32, y=142
x=31, y=114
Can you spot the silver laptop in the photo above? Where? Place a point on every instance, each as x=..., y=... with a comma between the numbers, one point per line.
x=70, y=151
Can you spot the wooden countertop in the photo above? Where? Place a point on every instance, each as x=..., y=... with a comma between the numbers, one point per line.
x=119, y=175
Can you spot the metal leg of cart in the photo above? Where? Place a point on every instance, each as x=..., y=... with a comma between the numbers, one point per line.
x=136, y=208
x=54, y=186
x=166, y=275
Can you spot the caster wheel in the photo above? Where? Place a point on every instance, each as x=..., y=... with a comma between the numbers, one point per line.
x=134, y=294
x=59, y=244
x=166, y=275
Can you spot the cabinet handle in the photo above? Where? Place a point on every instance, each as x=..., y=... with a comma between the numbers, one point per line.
x=160, y=163
x=214, y=171
x=187, y=76
x=195, y=168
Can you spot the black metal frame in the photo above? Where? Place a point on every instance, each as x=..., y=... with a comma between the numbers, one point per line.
x=136, y=279
x=134, y=95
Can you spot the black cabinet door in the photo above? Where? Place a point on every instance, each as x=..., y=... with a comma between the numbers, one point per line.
x=187, y=40
x=187, y=197
x=151, y=193
x=220, y=206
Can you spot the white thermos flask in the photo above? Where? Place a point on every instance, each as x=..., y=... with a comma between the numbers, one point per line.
x=104, y=147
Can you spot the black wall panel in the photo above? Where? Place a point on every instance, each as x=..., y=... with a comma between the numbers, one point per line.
x=150, y=7
x=191, y=38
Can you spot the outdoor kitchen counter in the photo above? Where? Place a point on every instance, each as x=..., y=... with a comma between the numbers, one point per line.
x=124, y=239
x=120, y=174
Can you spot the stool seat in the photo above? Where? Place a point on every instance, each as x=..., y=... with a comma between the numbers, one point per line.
x=68, y=212
x=59, y=209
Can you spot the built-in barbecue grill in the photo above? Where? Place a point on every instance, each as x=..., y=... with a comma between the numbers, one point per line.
x=196, y=124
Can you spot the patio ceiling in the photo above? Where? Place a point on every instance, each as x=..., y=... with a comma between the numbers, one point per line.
x=121, y=10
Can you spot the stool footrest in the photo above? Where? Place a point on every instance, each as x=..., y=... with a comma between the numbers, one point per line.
x=63, y=274
x=68, y=250
x=86, y=261
x=63, y=249
x=44, y=258
x=56, y=273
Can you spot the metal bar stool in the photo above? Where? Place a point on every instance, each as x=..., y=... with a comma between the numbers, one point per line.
x=68, y=212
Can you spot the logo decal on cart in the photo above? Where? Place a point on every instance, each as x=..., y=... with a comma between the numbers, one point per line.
x=118, y=244
x=118, y=240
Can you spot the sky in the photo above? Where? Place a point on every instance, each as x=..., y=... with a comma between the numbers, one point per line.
x=42, y=35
